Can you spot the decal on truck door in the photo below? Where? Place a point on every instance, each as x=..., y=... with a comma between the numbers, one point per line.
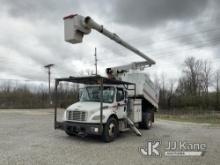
x=121, y=106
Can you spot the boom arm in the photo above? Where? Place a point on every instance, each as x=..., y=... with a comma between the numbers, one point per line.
x=76, y=26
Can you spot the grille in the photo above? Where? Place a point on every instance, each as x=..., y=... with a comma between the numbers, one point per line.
x=76, y=115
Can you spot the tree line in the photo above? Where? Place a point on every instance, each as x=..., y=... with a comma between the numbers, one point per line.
x=23, y=97
x=197, y=87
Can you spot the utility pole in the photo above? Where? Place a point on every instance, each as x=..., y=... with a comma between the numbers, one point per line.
x=95, y=63
x=49, y=73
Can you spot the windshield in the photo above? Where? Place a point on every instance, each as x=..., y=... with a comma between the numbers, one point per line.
x=92, y=93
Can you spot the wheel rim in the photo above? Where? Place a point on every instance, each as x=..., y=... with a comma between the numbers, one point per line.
x=111, y=130
x=149, y=123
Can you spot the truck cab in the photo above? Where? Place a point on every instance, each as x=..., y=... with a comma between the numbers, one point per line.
x=88, y=108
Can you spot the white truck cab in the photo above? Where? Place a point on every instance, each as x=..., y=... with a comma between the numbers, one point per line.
x=87, y=110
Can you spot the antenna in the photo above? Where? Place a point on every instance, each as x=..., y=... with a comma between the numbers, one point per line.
x=96, y=62
x=49, y=73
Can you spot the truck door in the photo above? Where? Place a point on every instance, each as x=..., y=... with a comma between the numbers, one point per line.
x=121, y=106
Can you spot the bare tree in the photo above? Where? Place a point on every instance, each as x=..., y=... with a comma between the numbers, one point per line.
x=156, y=82
x=192, y=73
x=163, y=82
x=217, y=86
x=162, y=95
x=170, y=93
x=206, y=74
x=182, y=86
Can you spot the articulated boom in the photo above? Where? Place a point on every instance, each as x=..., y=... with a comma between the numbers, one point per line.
x=76, y=26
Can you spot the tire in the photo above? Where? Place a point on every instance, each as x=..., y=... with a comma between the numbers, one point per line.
x=68, y=132
x=146, y=120
x=110, y=130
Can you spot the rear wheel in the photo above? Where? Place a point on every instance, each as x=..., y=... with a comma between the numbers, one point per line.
x=146, y=120
x=110, y=130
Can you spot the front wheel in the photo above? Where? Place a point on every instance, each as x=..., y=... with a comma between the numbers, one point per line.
x=110, y=130
x=69, y=131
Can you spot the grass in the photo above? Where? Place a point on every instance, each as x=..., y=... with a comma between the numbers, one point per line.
x=198, y=117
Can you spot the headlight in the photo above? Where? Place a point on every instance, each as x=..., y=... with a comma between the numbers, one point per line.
x=97, y=117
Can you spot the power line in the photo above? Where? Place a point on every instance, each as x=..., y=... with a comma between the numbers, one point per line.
x=160, y=53
x=183, y=36
x=171, y=30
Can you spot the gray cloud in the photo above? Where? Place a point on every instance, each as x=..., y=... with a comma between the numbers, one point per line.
x=40, y=9
x=192, y=24
x=157, y=12
x=35, y=33
x=53, y=10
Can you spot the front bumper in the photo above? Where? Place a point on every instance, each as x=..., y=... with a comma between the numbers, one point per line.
x=86, y=128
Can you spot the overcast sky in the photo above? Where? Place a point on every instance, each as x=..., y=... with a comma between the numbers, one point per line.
x=168, y=31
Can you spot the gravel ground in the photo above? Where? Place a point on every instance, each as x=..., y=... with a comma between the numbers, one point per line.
x=27, y=137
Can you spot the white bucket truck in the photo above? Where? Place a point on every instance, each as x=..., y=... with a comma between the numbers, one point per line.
x=125, y=99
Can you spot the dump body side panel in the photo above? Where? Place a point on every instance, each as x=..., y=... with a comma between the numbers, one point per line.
x=144, y=87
